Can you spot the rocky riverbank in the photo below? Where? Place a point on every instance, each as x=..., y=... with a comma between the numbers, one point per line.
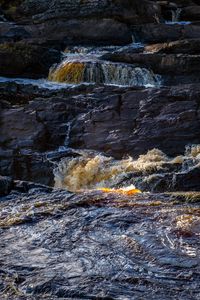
x=97, y=98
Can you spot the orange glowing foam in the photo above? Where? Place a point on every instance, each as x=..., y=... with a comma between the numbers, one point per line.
x=125, y=191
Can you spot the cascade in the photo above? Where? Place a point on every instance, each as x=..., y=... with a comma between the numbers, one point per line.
x=98, y=172
x=176, y=14
x=102, y=72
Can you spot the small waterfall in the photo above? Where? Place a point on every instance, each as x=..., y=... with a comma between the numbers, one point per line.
x=66, y=141
x=102, y=72
x=96, y=171
x=176, y=15
x=65, y=145
x=99, y=171
x=119, y=74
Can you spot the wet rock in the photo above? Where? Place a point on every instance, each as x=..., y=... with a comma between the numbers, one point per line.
x=84, y=32
x=160, y=63
x=6, y=185
x=114, y=120
x=189, y=46
x=136, y=121
x=161, y=33
x=16, y=34
x=27, y=60
x=21, y=129
x=188, y=181
x=191, y=13
x=69, y=244
x=64, y=22
x=175, y=68
x=179, y=181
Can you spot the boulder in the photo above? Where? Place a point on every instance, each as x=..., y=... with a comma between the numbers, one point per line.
x=6, y=185
x=136, y=121
x=26, y=60
x=188, y=46
x=165, y=60
x=161, y=33
x=191, y=13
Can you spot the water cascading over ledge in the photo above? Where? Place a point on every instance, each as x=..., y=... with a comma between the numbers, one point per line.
x=92, y=171
x=101, y=72
x=99, y=171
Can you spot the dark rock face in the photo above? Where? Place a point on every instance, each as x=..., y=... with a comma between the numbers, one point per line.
x=116, y=121
x=178, y=62
x=30, y=60
x=188, y=46
x=136, y=121
x=191, y=13
x=6, y=185
x=67, y=21
x=160, y=33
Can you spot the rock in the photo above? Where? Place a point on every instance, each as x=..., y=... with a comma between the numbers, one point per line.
x=161, y=33
x=16, y=34
x=114, y=120
x=124, y=10
x=136, y=121
x=188, y=180
x=189, y=46
x=34, y=122
x=172, y=66
x=6, y=185
x=64, y=22
x=171, y=182
x=70, y=243
x=84, y=31
x=26, y=60
x=21, y=129
x=191, y=13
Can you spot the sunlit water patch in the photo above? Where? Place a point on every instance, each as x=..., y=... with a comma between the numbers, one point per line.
x=99, y=171
x=96, y=171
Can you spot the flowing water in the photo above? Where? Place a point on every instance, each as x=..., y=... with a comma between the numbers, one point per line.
x=176, y=14
x=93, y=171
x=92, y=237
x=85, y=65
x=40, y=83
x=97, y=245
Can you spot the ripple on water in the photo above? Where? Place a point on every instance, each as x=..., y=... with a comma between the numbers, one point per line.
x=88, y=243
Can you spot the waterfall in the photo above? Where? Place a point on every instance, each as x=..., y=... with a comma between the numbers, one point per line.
x=102, y=72
x=66, y=141
x=176, y=15
x=86, y=172
x=65, y=145
x=119, y=74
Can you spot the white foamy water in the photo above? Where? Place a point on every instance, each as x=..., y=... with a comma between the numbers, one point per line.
x=97, y=171
x=41, y=83
x=178, y=22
